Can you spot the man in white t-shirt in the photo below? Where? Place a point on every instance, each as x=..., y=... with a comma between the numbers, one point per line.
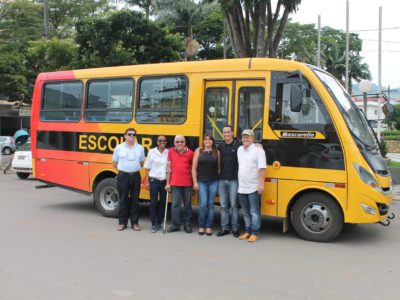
x=252, y=165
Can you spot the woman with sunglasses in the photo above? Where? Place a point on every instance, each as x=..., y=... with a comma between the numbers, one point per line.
x=205, y=170
x=156, y=173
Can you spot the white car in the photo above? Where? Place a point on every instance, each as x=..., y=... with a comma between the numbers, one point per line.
x=22, y=161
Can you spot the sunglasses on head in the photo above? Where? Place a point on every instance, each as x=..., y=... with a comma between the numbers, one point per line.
x=131, y=134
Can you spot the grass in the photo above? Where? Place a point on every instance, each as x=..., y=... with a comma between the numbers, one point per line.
x=394, y=164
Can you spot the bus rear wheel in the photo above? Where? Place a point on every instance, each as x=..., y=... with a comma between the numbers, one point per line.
x=106, y=197
x=317, y=217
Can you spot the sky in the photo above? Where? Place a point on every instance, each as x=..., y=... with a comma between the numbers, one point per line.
x=364, y=20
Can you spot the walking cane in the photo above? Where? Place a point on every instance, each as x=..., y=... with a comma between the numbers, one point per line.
x=165, y=215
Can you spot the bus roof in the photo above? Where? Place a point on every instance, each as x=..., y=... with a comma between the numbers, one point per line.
x=220, y=65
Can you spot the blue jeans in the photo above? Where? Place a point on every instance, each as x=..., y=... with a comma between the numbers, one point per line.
x=228, y=195
x=181, y=194
x=251, y=210
x=158, y=196
x=207, y=192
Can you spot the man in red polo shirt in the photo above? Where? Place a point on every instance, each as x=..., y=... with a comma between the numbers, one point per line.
x=179, y=179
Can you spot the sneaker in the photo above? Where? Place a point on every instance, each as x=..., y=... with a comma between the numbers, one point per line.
x=253, y=238
x=173, y=229
x=244, y=236
x=188, y=228
x=235, y=233
x=154, y=228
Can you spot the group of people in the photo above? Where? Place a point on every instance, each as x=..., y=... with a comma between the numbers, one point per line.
x=234, y=169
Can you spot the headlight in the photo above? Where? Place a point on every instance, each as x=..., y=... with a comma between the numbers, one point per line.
x=367, y=177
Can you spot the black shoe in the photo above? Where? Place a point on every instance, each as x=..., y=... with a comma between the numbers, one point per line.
x=223, y=232
x=188, y=228
x=235, y=233
x=173, y=229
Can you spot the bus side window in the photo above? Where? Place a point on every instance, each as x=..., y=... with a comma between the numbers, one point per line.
x=109, y=100
x=162, y=100
x=61, y=101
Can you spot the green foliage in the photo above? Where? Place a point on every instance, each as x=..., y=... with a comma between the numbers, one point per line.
x=51, y=55
x=22, y=21
x=209, y=32
x=12, y=75
x=394, y=164
x=393, y=120
x=123, y=38
x=383, y=147
x=301, y=40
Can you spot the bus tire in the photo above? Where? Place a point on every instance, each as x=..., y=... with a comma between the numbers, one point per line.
x=106, y=197
x=317, y=217
x=22, y=175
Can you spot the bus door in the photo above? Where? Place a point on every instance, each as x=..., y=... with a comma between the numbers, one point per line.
x=239, y=103
x=303, y=147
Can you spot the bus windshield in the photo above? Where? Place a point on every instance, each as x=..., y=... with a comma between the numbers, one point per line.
x=354, y=119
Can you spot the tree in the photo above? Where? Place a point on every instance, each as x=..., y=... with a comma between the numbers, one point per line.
x=300, y=42
x=51, y=55
x=149, y=6
x=21, y=22
x=209, y=32
x=181, y=16
x=63, y=14
x=12, y=75
x=124, y=38
x=394, y=119
x=247, y=21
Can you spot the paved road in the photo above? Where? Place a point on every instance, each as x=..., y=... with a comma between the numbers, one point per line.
x=54, y=245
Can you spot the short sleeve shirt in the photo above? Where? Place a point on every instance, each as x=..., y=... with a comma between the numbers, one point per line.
x=181, y=167
x=229, y=160
x=250, y=161
x=156, y=162
x=128, y=159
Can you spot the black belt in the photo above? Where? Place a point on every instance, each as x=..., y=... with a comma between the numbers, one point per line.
x=128, y=173
x=158, y=180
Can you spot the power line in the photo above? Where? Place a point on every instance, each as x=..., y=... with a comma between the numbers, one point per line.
x=371, y=40
x=362, y=30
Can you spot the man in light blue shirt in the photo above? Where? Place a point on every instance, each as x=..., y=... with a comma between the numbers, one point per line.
x=128, y=158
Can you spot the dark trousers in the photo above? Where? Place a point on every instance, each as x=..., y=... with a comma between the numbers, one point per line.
x=158, y=196
x=128, y=191
x=181, y=194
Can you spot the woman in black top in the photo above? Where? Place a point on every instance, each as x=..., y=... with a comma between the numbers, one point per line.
x=205, y=170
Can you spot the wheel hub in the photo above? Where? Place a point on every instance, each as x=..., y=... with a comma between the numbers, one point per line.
x=109, y=198
x=316, y=218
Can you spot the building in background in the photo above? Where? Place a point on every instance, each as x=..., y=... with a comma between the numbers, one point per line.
x=14, y=116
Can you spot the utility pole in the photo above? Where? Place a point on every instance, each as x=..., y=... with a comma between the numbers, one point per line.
x=319, y=42
x=379, y=72
x=46, y=19
x=347, y=47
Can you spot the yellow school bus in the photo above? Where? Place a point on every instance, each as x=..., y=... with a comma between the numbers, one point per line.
x=324, y=165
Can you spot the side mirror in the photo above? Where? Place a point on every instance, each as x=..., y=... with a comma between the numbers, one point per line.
x=296, y=98
x=388, y=109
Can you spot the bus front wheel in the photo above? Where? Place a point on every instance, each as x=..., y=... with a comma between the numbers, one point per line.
x=317, y=217
x=106, y=197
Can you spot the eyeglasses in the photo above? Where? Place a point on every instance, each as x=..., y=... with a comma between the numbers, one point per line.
x=131, y=134
x=179, y=142
x=162, y=141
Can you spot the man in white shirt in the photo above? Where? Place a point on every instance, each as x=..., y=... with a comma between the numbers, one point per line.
x=252, y=165
x=128, y=158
